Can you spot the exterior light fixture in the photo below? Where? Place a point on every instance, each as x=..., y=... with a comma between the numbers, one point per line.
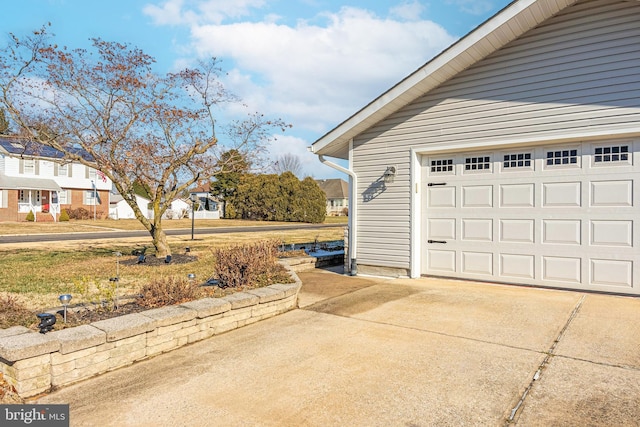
x=64, y=300
x=389, y=174
x=47, y=321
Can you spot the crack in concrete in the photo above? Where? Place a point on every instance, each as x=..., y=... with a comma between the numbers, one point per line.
x=428, y=331
x=550, y=353
x=593, y=362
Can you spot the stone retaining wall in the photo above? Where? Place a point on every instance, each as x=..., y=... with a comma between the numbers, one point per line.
x=35, y=363
x=304, y=263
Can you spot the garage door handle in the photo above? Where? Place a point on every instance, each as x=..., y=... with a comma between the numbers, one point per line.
x=436, y=241
x=431, y=184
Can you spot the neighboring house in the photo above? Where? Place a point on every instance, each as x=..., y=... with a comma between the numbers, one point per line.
x=35, y=178
x=513, y=156
x=120, y=209
x=206, y=206
x=337, y=192
x=180, y=208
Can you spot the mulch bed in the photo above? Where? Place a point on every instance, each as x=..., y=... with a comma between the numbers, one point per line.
x=92, y=312
x=151, y=260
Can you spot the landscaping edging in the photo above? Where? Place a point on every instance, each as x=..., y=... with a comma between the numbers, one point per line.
x=35, y=363
x=297, y=264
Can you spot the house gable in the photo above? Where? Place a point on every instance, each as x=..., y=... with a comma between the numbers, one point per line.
x=507, y=25
x=572, y=77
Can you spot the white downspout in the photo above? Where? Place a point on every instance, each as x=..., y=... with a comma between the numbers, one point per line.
x=353, y=207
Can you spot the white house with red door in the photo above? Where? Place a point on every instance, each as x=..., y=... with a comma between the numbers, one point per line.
x=35, y=178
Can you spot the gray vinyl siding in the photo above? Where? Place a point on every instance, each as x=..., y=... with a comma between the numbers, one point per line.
x=575, y=73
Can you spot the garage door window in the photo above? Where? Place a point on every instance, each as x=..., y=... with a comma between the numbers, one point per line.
x=517, y=161
x=562, y=158
x=616, y=154
x=477, y=164
x=442, y=166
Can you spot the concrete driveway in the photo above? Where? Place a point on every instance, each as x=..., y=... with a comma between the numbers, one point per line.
x=376, y=352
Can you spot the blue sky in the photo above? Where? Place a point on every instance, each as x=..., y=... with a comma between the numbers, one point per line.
x=312, y=63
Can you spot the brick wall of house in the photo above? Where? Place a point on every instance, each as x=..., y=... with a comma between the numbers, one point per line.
x=77, y=201
x=10, y=213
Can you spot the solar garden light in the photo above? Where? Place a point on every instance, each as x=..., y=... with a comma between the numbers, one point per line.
x=64, y=300
x=118, y=255
x=47, y=321
x=191, y=277
x=116, y=279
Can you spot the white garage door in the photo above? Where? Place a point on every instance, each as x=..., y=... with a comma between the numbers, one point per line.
x=560, y=216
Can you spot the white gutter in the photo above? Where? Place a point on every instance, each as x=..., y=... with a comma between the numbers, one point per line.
x=353, y=204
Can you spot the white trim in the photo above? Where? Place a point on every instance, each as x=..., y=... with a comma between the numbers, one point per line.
x=353, y=206
x=529, y=141
x=415, y=215
x=353, y=213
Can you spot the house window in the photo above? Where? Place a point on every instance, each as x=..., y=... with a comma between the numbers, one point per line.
x=562, y=157
x=441, y=165
x=91, y=197
x=29, y=167
x=516, y=160
x=611, y=154
x=63, y=197
x=91, y=173
x=63, y=169
x=477, y=163
x=3, y=202
x=23, y=196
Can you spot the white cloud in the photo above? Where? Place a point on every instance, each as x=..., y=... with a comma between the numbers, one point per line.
x=409, y=11
x=315, y=73
x=319, y=75
x=193, y=12
x=170, y=13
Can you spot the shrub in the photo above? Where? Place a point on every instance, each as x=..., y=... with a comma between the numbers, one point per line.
x=168, y=291
x=30, y=216
x=64, y=216
x=79, y=213
x=12, y=313
x=254, y=264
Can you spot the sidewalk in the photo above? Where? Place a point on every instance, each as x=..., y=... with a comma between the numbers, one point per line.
x=380, y=352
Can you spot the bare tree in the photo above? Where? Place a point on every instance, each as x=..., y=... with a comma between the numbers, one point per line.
x=136, y=126
x=288, y=163
x=4, y=123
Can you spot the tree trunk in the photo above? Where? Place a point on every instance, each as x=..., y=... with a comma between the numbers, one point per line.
x=160, y=242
